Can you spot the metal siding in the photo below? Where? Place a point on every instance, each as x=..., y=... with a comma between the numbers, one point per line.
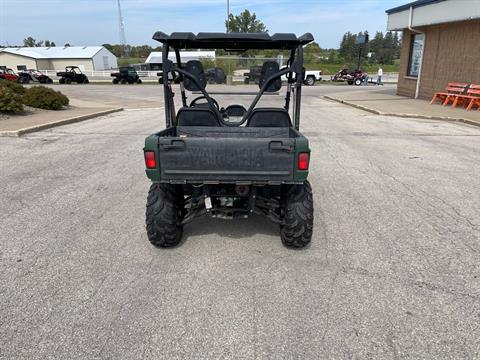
x=446, y=11
x=11, y=61
x=435, y=13
x=398, y=21
x=60, y=64
x=98, y=60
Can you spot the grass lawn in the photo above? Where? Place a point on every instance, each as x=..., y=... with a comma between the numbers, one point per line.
x=129, y=61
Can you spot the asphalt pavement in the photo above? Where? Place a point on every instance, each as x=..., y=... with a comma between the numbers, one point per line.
x=393, y=271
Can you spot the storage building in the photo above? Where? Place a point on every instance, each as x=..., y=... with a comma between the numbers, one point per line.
x=87, y=58
x=441, y=44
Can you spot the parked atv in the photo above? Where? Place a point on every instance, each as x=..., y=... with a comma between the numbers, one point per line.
x=125, y=75
x=356, y=77
x=229, y=162
x=24, y=77
x=72, y=74
x=215, y=75
x=8, y=74
x=253, y=76
x=351, y=77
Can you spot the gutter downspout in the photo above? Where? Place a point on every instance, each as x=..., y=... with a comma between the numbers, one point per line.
x=410, y=17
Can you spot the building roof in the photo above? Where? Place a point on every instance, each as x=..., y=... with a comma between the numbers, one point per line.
x=59, y=52
x=432, y=12
x=237, y=41
x=155, y=57
x=412, y=4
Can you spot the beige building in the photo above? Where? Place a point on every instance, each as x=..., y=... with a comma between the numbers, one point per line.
x=87, y=58
x=441, y=44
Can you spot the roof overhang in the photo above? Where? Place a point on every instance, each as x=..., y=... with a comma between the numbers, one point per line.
x=233, y=41
x=432, y=12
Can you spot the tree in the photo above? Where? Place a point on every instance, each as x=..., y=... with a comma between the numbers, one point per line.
x=245, y=22
x=49, y=43
x=31, y=42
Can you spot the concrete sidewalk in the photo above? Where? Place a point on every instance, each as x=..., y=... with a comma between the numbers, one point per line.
x=384, y=101
x=38, y=119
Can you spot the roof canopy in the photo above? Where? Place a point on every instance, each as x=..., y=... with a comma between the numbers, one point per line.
x=234, y=41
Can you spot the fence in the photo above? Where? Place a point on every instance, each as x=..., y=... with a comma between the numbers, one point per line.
x=237, y=73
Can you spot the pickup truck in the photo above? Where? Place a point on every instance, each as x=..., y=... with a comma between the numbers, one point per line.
x=311, y=76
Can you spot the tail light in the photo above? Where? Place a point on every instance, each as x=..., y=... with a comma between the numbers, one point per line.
x=303, y=160
x=150, y=161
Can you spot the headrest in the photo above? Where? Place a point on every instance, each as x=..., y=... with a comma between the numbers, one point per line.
x=195, y=68
x=268, y=69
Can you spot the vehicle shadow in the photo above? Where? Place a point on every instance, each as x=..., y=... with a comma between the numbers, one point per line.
x=237, y=228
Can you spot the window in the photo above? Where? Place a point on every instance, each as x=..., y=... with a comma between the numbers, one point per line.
x=21, y=67
x=416, y=48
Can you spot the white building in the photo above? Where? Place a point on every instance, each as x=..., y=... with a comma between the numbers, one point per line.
x=156, y=57
x=87, y=58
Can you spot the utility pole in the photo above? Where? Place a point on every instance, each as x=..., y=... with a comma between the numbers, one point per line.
x=121, y=26
x=228, y=16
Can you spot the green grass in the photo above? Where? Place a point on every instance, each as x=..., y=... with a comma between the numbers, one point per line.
x=230, y=65
x=129, y=61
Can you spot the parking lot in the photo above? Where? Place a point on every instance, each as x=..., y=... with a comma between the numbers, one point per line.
x=393, y=270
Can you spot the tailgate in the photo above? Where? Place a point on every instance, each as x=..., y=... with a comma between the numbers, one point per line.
x=200, y=159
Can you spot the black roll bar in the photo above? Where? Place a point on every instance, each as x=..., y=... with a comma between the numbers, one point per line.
x=260, y=93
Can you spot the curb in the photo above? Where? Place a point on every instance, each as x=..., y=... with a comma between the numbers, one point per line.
x=416, y=116
x=52, y=124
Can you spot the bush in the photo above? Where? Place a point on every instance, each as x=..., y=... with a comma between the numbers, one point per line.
x=9, y=101
x=44, y=98
x=13, y=86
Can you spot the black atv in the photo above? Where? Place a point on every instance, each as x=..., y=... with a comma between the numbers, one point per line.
x=26, y=76
x=126, y=75
x=253, y=76
x=215, y=75
x=229, y=162
x=72, y=74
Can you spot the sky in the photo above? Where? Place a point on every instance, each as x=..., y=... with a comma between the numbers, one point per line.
x=95, y=22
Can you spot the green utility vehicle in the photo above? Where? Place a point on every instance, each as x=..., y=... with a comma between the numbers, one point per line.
x=126, y=75
x=229, y=162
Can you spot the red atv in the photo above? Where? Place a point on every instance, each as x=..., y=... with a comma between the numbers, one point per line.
x=351, y=77
x=8, y=74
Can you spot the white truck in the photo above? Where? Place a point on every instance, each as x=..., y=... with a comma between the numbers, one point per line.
x=311, y=76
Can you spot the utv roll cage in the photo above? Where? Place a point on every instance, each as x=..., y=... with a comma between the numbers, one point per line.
x=233, y=42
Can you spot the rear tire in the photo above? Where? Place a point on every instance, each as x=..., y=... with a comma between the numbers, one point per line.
x=358, y=82
x=68, y=81
x=163, y=215
x=139, y=81
x=115, y=81
x=296, y=232
x=61, y=81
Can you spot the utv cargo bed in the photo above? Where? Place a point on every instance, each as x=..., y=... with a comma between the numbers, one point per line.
x=229, y=155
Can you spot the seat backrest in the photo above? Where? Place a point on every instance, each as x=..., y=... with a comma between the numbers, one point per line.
x=456, y=87
x=196, y=116
x=268, y=69
x=195, y=68
x=269, y=117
